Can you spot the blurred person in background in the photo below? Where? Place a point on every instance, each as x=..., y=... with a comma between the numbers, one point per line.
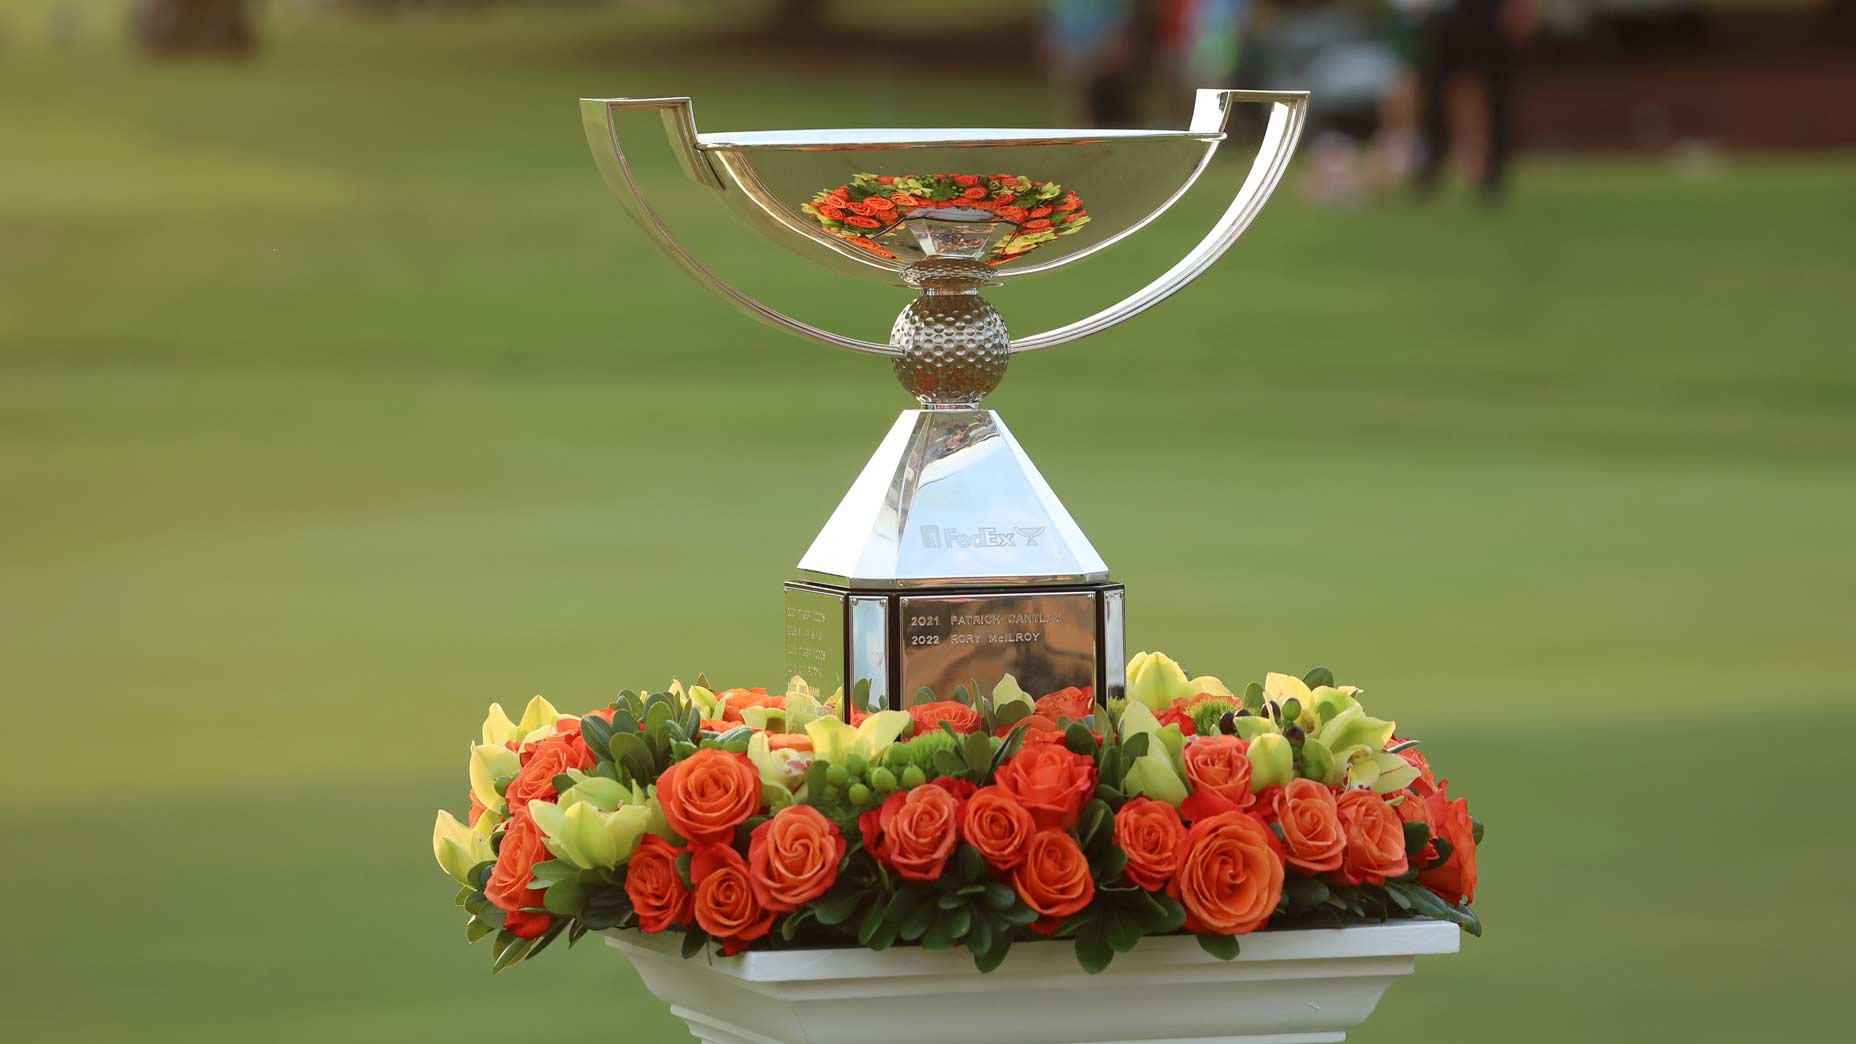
x=1467, y=55
x=1100, y=55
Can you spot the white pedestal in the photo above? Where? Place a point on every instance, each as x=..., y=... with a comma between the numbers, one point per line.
x=1300, y=987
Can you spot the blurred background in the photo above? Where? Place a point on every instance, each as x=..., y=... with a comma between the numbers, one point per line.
x=337, y=400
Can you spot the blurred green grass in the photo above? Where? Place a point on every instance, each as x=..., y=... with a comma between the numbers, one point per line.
x=337, y=400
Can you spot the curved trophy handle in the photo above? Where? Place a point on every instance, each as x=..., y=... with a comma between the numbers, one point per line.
x=1211, y=111
x=596, y=114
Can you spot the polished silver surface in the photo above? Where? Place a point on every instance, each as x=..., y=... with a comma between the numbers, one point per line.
x=871, y=658
x=1046, y=640
x=1114, y=644
x=815, y=630
x=1125, y=178
x=949, y=499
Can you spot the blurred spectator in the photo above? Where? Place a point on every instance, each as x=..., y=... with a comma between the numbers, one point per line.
x=1099, y=57
x=1466, y=87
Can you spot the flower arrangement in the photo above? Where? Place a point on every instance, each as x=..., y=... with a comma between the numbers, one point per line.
x=871, y=204
x=754, y=820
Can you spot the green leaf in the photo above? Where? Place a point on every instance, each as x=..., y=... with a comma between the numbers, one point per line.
x=992, y=958
x=1135, y=747
x=1079, y=739
x=948, y=763
x=1318, y=677
x=837, y=905
x=979, y=754
x=970, y=864
x=1092, y=949
x=1094, y=815
x=916, y=923
x=511, y=955
x=564, y=898
x=1121, y=930
x=1223, y=947
x=694, y=939
x=1304, y=891
x=981, y=935
x=1108, y=865
x=596, y=732
x=475, y=930
x=1000, y=896
x=1011, y=714
x=1253, y=697
x=1404, y=745
x=1417, y=835
x=1475, y=829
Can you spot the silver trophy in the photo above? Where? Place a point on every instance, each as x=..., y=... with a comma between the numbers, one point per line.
x=950, y=560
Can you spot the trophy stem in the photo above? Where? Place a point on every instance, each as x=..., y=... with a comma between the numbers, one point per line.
x=952, y=343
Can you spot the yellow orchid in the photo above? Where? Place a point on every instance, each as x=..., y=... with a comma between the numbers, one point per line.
x=497, y=728
x=785, y=768
x=1155, y=679
x=1153, y=773
x=458, y=848
x=1272, y=761
x=488, y=762
x=1282, y=687
x=1008, y=691
x=587, y=837
x=1205, y=684
x=833, y=740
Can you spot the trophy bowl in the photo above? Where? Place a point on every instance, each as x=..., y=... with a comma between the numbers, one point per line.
x=950, y=562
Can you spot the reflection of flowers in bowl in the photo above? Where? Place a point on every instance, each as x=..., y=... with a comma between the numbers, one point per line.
x=872, y=204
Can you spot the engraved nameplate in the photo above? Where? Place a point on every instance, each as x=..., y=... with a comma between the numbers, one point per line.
x=815, y=638
x=1047, y=640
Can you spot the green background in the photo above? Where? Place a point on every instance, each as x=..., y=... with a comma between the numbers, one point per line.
x=338, y=400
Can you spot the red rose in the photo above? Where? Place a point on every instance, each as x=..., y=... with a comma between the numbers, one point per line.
x=962, y=789
x=657, y=891
x=708, y=794
x=1426, y=783
x=1375, y=838
x=544, y=761
x=724, y=899
x=863, y=222
x=831, y=212
x=1176, y=715
x=879, y=204
x=1311, y=827
x=508, y=888
x=793, y=857
x=966, y=179
x=904, y=199
x=1054, y=879
x=1038, y=223
x=1051, y=781
x=1005, y=197
x=914, y=831
x=998, y=826
x=1217, y=764
x=1150, y=833
x=1230, y=874
x=860, y=208
x=1038, y=212
x=975, y=193
x=1072, y=703
x=929, y=716
x=1456, y=879
x=1038, y=729
x=1011, y=213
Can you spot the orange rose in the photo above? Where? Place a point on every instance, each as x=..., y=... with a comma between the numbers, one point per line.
x=1217, y=764
x=1230, y=874
x=929, y=716
x=541, y=763
x=878, y=203
x=831, y=212
x=1415, y=809
x=1038, y=212
x=914, y=831
x=508, y=888
x=1054, y=878
x=1038, y=223
x=904, y=199
x=1051, y=781
x=1375, y=838
x=1038, y=729
x=657, y=891
x=1426, y=783
x=1011, y=213
x=708, y=794
x=793, y=857
x=739, y=699
x=966, y=179
x=724, y=900
x=788, y=741
x=1005, y=197
x=863, y=222
x=998, y=826
x=1311, y=827
x=1072, y=703
x=976, y=192
x=1456, y=879
x=1150, y=833
x=860, y=208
